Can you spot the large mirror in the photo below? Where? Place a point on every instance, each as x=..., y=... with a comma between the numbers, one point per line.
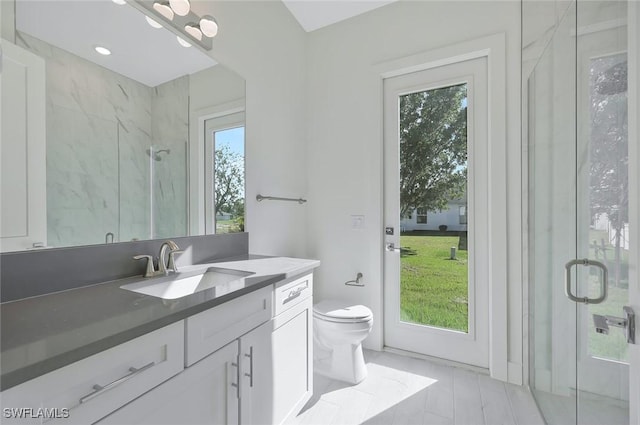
x=121, y=128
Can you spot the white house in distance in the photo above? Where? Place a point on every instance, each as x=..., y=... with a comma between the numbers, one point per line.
x=454, y=217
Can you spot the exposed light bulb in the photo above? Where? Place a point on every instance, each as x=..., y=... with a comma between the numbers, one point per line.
x=193, y=30
x=102, y=50
x=209, y=26
x=181, y=7
x=153, y=23
x=183, y=42
x=163, y=9
x=119, y=2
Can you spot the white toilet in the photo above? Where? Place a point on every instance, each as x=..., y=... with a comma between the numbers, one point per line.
x=338, y=331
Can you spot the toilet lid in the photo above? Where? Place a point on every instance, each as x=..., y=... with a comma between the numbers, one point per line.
x=340, y=310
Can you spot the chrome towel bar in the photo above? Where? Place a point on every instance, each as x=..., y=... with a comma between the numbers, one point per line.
x=275, y=198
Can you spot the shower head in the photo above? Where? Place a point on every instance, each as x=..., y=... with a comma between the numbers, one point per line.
x=156, y=154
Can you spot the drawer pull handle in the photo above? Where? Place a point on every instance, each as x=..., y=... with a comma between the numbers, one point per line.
x=293, y=294
x=99, y=389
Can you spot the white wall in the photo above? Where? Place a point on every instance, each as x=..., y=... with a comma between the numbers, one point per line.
x=345, y=141
x=263, y=43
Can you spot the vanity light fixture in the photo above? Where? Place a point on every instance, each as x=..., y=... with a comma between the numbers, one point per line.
x=163, y=8
x=102, y=50
x=119, y=2
x=153, y=23
x=177, y=17
x=180, y=7
x=193, y=30
x=209, y=26
x=183, y=42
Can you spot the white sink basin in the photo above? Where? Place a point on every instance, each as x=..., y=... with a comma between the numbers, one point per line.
x=180, y=285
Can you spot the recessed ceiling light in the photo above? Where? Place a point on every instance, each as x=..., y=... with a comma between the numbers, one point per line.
x=153, y=23
x=209, y=26
x=181, y=7
x=193, y=30
x=103, y=50
x=119, y=2
x=183, y=42
x=163, y=9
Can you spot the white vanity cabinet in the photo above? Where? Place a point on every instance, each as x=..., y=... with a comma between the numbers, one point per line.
x=205, y=393
x=263, y=376
x=291, y=349
x=89, y=389
x=246, y=361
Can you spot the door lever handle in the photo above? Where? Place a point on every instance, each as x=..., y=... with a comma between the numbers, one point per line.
x=391, y=247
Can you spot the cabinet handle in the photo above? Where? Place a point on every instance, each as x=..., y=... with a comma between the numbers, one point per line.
x=235, y=384
x=250, y=374
x=293, y=294
x=99, y=389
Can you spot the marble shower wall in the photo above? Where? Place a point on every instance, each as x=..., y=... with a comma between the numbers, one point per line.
x=170, y=130
x=100, y=125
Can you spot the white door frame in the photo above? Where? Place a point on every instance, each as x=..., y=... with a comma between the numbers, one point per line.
x=633, y=47
x=469, y=347
x=197, y=140
x=494, y=48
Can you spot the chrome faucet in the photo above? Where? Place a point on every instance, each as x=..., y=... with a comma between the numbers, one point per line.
x=163, y=269
x=162, y=257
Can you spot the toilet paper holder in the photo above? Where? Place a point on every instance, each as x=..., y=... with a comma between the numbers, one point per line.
x=356, y=282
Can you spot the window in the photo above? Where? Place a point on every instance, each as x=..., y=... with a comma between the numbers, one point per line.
x=224, y=185
x=421, y=216
x=463, y=214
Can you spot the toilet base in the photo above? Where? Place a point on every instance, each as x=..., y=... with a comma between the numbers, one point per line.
x=344, y=363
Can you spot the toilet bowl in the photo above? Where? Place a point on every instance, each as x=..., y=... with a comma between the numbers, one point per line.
x=339, y=329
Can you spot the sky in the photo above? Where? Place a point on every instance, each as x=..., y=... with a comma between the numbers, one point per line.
x=233, y=137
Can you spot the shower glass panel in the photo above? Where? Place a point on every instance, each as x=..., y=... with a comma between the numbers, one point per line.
x=576, y=131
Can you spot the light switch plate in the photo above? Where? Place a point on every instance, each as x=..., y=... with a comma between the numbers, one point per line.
x=357, y=222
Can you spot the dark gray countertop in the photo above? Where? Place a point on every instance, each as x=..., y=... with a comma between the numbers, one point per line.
x=43, y=333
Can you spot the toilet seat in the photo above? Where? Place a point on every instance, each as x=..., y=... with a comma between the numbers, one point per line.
x=341, y=312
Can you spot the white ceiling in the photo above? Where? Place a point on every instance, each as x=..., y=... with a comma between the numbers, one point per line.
x=314, y=14
x=150, y=56
x=145, y=54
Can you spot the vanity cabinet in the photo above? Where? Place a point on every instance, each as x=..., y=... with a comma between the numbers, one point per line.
x=246, y=361
x=87, y=390
x=230, y=386
x=205, y=393
x=264, y=376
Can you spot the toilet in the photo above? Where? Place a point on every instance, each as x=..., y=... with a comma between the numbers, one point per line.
x=338, y=331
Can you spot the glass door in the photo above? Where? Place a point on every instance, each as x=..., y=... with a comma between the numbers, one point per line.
x=582, y=253
x=436, y=215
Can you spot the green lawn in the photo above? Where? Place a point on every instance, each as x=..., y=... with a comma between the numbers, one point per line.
x=227, y=226
x=613, y=346
x=433, y=288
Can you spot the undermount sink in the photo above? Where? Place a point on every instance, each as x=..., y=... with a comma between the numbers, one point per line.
x=223, y=281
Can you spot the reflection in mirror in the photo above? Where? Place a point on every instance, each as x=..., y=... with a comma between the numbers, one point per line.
x=118, y=125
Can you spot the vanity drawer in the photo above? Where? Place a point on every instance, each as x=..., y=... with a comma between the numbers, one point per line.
x=87, y=390
x=292, y=292
x=214, y=328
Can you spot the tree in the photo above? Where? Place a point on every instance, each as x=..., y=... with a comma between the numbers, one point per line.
x=609, y=171
x=229, y=180
x=433, y=148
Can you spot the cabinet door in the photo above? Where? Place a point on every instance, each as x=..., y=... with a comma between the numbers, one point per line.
x=292, y=351
x=205, y=393
x=256, y=376
x=23, y=210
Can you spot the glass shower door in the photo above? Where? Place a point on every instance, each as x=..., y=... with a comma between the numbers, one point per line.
x=578, y=125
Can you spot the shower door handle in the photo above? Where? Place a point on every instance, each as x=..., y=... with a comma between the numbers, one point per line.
x=603, y=283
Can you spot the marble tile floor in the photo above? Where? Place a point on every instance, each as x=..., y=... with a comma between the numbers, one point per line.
x=405, y=391
x=559, y=410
